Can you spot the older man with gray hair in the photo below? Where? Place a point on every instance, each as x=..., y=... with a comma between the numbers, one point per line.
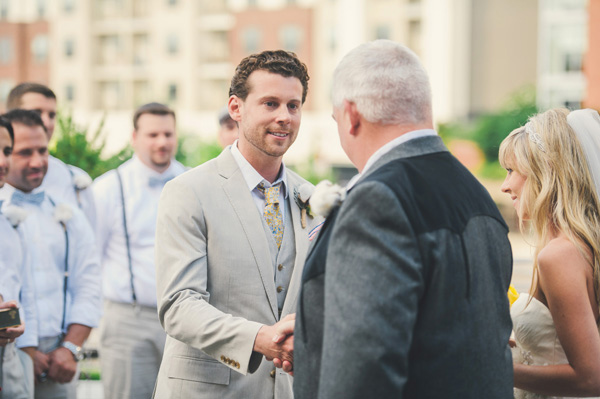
x=404, y=292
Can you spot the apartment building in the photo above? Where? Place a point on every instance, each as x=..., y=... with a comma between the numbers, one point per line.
x=562, y=45
x=24, y=44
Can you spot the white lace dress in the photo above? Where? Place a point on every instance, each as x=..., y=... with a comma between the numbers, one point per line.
x=537, y=341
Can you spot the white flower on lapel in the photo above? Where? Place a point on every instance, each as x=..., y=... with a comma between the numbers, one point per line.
x=325, y=197
x=82, y=182
x=63, y=213
x=301, y=196
x=305, y=191
x=15, y=215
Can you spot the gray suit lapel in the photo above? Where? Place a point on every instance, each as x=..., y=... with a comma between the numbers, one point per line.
x=301, y=238
x=239, y=196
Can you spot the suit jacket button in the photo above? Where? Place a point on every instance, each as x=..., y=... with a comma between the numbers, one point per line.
x=222, y=358
x=237, y=365
x=280, y=267
x=279, y=289
x=272, y=373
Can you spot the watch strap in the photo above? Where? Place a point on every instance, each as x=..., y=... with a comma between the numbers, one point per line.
x=74, y=349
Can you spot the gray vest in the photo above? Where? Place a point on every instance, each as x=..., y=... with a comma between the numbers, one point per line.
x=282, y=259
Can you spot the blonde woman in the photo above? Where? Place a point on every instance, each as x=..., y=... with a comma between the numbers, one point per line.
x=553, y=179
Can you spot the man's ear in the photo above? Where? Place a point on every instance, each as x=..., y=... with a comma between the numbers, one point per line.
x=354, y=116
x=133, y=137
x=234, y=106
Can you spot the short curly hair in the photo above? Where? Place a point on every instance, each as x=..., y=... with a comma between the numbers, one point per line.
x=284, y=63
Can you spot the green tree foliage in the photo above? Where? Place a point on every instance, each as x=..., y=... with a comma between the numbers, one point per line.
x=193, y=151
x=73, y=146
x=491, y=128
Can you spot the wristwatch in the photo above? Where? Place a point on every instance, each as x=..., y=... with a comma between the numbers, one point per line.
x=75, y=350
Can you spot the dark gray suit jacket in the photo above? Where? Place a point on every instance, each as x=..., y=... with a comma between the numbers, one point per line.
x=404, y=293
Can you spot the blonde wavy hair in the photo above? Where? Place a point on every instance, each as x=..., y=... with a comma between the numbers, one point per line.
x=559, y=194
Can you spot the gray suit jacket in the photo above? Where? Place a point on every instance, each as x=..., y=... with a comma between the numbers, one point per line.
x=215, y=285
x=404, y=293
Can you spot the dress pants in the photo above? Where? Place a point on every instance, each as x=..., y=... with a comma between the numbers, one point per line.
x=50, y=389
x=17, y=373
x=132, y=345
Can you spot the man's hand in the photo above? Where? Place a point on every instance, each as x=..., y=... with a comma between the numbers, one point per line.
x=8, y=335
x=41, y=364
x=62, y=365
x=267, y=345
x=285, y=331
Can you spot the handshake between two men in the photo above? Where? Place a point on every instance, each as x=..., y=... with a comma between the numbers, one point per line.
x=276, y=343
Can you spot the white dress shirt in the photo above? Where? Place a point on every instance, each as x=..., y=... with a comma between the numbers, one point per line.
x=415, y=134
x=60, y=183
x=141, y=206
x=253, y=179
x=47, y=247
x=16, y=283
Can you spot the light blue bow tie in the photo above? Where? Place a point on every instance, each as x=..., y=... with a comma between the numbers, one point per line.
x=154, y=181
x=20, y=198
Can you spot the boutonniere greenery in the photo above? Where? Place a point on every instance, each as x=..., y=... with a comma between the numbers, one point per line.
x=301, y=196
x=63, y=213
x=15, y=215
x=325, y=197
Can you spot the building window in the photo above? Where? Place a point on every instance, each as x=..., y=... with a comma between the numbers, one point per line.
x=110, y=49
x=68, y=5
x=172, y=44
x=6, y=86
x=172, y=95
x=3, y=9
x=573, y=62
x=290, y=37
x=6, y=50
x=69, y=48
x=382, y=32
x=252, y=3
x=251, y=37
x=41, y=8
x=110, y=95
x=70, y=92
x=172, y=2
x=414, y=36
x=39, y=48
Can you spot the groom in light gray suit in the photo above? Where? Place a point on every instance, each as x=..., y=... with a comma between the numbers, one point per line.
x=404, y=293
x=231, y=244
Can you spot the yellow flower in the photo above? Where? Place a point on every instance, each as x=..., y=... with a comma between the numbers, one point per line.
x=512, y=294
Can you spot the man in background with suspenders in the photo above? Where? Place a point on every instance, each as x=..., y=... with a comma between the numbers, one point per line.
x=66, y=269
x=63, y=182
x=132, y=339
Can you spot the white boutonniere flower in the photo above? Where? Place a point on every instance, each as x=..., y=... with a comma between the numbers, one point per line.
x=82, y=182
x=15, y=215
x=301, y=196
x=63, y=213
x=326, y=196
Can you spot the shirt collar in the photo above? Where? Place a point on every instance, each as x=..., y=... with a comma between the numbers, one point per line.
x=415, y=134
x=252, y=177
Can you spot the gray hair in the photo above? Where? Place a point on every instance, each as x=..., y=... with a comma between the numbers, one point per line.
x=386, y=81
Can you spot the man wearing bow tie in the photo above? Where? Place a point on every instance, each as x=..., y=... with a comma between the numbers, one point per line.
x=63, y=254
x=132, y=339
x=63, y=182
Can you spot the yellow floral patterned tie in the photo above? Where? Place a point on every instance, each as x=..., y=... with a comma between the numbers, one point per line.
x=272, y=213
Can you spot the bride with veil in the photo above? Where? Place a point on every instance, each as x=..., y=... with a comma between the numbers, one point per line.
x=553, y=178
